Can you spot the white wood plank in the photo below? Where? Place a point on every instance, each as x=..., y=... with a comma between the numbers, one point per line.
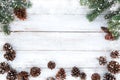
x=57, y=7
x=65, y=59
x=58, y=30
x=89, y=72
x=58, y=41
x=48, y=73
x=86, y=61
x=55, y=15
x=62, y=7
x=58, y=23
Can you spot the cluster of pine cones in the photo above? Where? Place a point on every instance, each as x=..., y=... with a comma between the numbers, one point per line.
x=113, y=67
x=12, y=74
x=10, y=53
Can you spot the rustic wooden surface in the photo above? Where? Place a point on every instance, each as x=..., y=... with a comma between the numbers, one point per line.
x=58, y=30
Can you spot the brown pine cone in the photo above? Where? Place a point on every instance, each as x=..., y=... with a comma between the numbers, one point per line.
x=10, y=55
x=50, y=78
x=83, y=76
x=11, y=75
x=61, y=75
x=105, y=29
x=102, y=60
x=51, y=65
x=115, y=54
x=109, y=76
x=113, y=67
x=35, y=71
x=7, y=47
x=109, y=36
x=23, y=75
x=95, y=76
x=75, y=72
x=4, y=67
x=20, y=13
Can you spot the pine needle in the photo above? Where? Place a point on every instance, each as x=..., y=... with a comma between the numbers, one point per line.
x=6, y=29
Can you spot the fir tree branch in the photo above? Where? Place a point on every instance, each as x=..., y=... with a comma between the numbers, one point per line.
x=91, y=16
x=113, y=17
x=6, y=29
x=118, y=0
x=114, y=26
x=7, y=14
x=84, y=2
x=111, y=14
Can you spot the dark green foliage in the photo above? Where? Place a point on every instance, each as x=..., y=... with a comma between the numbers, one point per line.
x=97, y=11
x=5, y=29
x=113, y=17
x=114, y=25
x=111, y=14
x=7, y=11
x=21, y=3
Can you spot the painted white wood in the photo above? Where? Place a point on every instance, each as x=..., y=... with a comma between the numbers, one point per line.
x=58, y=30
x=62, y=7
x=86, y=61
x=57, y=7
x=55, y=15
x=48, y=73
x=58, y=41
x=27, y=59
x=58, y=23
x=65, y=59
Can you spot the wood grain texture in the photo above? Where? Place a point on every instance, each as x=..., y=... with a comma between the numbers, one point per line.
x=55, y=15
x=64, y=59
x=48, y=73
x=58, y=30
x=56, y=7
x=58, y=23
x=58, y=41
x=61, y=58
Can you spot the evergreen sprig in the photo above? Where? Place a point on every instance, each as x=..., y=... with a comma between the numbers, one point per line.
x=7, y=12
x=113, y=17
x=114, y=25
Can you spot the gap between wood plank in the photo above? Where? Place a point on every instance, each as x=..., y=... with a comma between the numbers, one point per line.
x=58, y=14
x=70, y=67
x=68, y=50
x=59, y=31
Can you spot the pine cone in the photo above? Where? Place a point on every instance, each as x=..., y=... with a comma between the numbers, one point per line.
x=102, y=60
x=20, y=13
x=51, y=65
x=10, y=55
x=23, y=75
x=11, y=75
x=4, y=67
x=109, y=76
x=109, y=36
x=61, y=75
x=105, y=29
x=113, y=67
x=50, y=78
x=83, y=76
x=95, y=76
x=35, y=71
x=115, y=54
x=75, y=72
x=7, y=47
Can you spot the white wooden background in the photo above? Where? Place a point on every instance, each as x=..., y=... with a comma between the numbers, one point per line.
x=58, y=30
